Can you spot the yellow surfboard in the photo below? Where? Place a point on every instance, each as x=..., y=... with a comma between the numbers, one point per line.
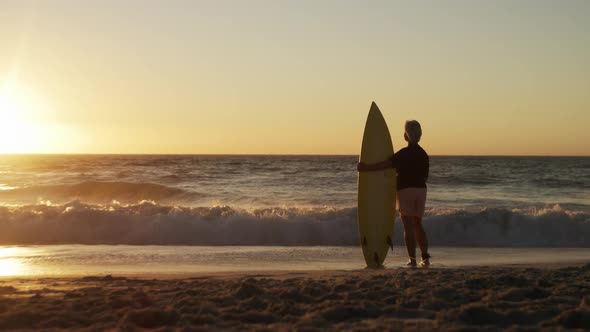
x=376, y=192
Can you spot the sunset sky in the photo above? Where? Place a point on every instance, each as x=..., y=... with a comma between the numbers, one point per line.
x=293, y=77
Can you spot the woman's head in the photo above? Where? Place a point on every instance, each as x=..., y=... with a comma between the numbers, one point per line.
x=413, y=131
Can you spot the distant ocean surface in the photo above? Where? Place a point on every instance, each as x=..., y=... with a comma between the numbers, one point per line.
x=282, y=200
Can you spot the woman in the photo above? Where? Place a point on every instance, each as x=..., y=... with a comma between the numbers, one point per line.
x=412, y=164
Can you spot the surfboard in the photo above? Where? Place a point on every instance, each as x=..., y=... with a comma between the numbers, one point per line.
x=376, y=192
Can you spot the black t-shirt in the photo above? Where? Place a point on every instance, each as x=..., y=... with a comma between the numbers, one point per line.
x=412, y=164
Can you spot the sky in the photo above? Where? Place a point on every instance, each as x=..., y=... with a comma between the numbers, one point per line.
x=293, y=77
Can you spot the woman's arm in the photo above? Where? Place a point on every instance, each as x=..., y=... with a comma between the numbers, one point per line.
x=382, y=165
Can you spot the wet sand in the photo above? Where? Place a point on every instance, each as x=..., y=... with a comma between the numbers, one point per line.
x=520, y=298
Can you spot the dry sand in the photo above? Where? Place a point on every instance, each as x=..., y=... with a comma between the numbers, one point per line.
x=473, y=299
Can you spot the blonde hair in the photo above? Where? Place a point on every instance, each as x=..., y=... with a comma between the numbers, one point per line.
x=413, y=131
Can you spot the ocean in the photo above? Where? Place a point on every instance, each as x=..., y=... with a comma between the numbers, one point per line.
x=296, y=202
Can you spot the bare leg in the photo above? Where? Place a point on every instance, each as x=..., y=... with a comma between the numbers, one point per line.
x=420, y=235
x=409, y=236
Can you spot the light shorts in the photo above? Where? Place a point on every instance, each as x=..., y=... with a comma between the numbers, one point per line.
x=411, y=202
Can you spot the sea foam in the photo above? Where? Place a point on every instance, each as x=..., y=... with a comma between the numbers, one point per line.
x=148, y=222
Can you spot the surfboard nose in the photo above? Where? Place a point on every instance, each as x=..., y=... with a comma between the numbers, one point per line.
x=374, y=107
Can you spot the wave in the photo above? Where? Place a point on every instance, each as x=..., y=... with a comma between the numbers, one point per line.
x=464, y=180
x=553, y=182
x=157, y=224
x=98, y=192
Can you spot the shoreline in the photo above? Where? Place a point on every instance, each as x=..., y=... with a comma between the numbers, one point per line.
x=150, y=261
x=285, y=273
x=546, y=296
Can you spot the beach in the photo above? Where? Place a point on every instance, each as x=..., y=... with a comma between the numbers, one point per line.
x=188, y=243
x=243, y=165
x=520, y=298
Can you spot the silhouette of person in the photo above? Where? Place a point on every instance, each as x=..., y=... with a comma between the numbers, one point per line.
x=412, y=164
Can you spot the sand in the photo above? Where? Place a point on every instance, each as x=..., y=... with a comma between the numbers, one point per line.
x=517, y=298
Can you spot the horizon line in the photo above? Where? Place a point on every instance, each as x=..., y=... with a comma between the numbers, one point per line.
x=270, y=154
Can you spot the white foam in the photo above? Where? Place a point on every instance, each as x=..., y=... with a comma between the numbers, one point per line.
x=150, y=223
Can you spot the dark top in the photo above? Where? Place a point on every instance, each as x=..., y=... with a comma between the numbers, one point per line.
x=412, y=165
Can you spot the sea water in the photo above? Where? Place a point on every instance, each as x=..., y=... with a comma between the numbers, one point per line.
x=148, y=260
x=202, y=205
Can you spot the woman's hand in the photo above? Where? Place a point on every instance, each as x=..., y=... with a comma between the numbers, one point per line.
x=380, y=166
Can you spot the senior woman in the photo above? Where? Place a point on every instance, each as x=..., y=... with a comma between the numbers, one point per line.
x=412, y=165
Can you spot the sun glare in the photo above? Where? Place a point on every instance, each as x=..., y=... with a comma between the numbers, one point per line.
x=10, y=266
x=18, y=132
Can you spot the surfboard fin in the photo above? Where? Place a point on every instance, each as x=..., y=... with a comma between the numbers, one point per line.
x=389, y=242
x=364, y=241
x=376, y=258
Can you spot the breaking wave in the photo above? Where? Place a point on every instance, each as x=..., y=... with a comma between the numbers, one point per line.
x=151, y=223
x=98, y=192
